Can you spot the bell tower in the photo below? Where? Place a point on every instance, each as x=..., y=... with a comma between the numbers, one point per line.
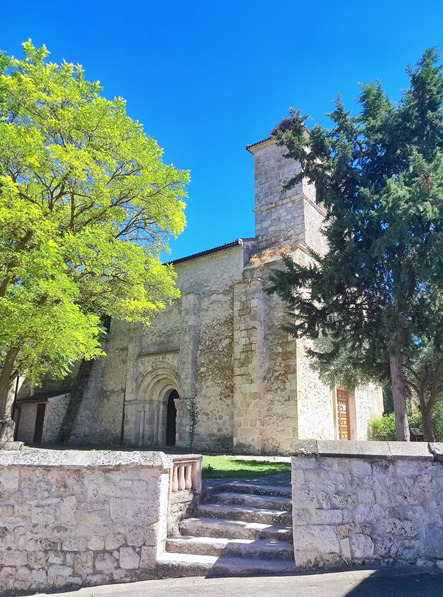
x=283, y=217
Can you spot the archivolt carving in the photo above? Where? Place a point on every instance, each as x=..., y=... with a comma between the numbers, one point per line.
x=155, y=385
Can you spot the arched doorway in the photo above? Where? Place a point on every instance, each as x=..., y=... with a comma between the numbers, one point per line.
x=171, y=418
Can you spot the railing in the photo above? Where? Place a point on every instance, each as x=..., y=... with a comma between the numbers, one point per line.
x=186, y=473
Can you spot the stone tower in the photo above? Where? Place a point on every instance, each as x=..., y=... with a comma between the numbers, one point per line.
x=289, y=217
x=272, y=381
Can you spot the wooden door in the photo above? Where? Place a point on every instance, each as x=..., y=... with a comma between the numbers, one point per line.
x=343, y=424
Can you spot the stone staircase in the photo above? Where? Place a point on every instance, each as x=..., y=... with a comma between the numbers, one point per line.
x=240, y=528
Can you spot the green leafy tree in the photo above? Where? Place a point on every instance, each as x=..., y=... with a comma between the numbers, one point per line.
x=378, y=291
x=86, y=208
x=424, y=377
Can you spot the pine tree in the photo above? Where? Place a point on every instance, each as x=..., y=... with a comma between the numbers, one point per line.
x=378, y=291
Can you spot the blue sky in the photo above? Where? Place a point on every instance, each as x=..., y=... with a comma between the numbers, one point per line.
x=208, y=78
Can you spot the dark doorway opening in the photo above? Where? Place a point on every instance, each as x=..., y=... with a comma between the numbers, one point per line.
x=171, y=418
x=39, y=420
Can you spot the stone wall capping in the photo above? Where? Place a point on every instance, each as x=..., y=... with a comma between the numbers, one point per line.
x=304, y=447
x=368, y=449
x=437, y=450
x=84, y=459
x=407, y=450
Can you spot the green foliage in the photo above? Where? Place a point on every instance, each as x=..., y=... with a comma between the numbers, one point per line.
x=388, y=403
x=338, y=370
x=383, y=428
x=225, y=467
x=437, y=421
x=86, y=208
x=193, y=413
x=377, y=293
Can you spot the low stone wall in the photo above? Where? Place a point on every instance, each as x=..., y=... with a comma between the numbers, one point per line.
x=367, y=502
x=182, y=504
x=78, y=518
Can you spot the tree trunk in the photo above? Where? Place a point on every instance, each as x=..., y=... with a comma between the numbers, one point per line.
x=428, y=431
x=7, y=424
x=399, y=398
x=77, y=392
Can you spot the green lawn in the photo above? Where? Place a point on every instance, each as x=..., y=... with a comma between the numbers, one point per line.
x=221, y=467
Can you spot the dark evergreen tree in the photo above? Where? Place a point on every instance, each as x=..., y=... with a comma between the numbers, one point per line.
x=378, y=291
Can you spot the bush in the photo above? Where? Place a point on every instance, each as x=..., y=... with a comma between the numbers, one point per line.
x=383, y=428
x=437, y=421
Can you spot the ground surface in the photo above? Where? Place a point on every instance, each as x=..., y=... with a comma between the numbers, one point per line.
x=388, y=582
x=245, y=467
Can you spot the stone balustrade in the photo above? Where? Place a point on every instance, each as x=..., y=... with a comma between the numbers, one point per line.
x=184, y=489
x=186, y=473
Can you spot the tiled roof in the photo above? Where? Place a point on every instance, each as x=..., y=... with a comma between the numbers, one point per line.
x=237, y=241
x=256, y=143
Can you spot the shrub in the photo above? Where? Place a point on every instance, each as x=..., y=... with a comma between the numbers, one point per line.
x=383, y=428
x=437, y=421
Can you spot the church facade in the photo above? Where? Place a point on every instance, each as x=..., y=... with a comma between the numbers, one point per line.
x=218, y=351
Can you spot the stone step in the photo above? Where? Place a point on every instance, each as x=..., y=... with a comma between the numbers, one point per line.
x=234, y=529
x=249, y=499
x=182, y=564
x=253, y=488
x=268, y=549
x=246, y=514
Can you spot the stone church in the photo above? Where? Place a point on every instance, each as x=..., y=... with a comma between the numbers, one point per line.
x=219, y=347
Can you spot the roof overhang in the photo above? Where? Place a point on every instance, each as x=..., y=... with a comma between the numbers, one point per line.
x=238, y=242
x=254, y=147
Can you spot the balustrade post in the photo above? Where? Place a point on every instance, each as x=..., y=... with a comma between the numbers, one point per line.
x=174, y=485
x=181, y=476
x=197, y=474
x=186, y=474
x=189, y=467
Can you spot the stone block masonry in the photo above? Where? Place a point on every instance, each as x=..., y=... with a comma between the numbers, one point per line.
x=358, y=503
x=80, y=518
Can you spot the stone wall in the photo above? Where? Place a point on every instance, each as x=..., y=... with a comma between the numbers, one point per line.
x=248, y=364
x=316, y=405
x=265, y=367
x=359, y=503
x=100, y=418
x=70, y=518
x=368, y=401
x=55, y=411
x=26, y=422
x=190, y=343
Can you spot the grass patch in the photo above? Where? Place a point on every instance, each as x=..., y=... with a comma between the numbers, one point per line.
x=226, y=467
